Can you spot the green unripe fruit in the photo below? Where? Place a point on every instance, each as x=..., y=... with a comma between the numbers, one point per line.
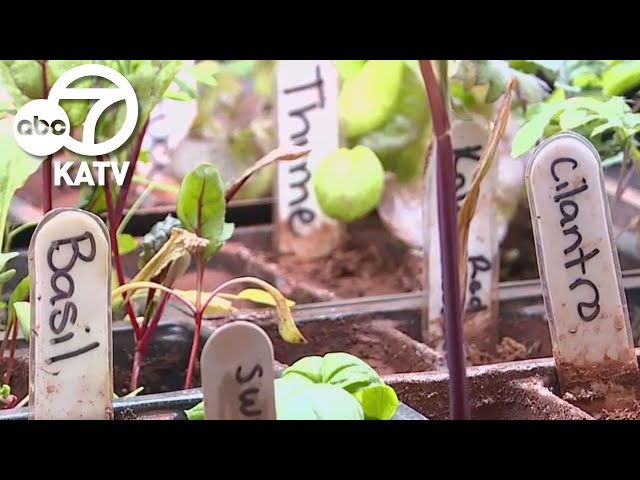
x=367, y=99
x=349, y=183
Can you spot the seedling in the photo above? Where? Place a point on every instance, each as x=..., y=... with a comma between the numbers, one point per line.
x=581, y=280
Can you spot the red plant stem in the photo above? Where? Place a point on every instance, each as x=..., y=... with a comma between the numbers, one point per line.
x=113, y=228
x=447, y=218
x=47, y=199
x=133, y=161
x=141, y=345
x=12, y=354
x=195, y=346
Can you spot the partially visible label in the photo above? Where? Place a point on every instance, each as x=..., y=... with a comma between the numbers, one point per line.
x=237, y=374
x=71, y=358
x=307, y=105
x=578, y=262
x=469, y=140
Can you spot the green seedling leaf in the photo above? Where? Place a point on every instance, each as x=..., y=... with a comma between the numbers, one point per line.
x=202, y=206
x=533, y=130
x=23, y=313
x=156, y=238
x=378, y=401
x=5, y=391
x=4, y=259
x=16, y=166
x=179, y=96
x=621, y=78
x=318, y=402
x=126, y=243
x=349, y=373
x=144, y=156
x=256, y=295
x=19, y=294
x=196, y=412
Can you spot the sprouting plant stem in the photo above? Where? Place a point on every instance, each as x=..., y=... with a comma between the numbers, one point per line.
x=447, y=219
x=142, y=343
x=111, y=219
x=195, y=346
x=47, y=200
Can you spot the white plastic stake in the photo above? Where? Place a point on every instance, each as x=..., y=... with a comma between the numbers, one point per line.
x=579, y=268
x=237, y=374
x=307, y=116
x=469, y=140
x=70, y=370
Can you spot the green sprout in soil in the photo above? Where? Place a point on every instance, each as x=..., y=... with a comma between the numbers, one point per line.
x=338, y=386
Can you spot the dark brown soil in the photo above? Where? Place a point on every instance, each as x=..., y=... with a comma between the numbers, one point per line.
x=632, y=413
x=377, y=342
x=508, y=350
x=364, y=265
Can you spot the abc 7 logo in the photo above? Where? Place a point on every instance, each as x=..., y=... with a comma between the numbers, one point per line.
x=42, y=127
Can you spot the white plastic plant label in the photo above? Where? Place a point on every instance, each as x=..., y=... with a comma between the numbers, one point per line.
x=70, y=349
x=237, y=374
x=469, y=140
x=580, y=273
x=307, y=116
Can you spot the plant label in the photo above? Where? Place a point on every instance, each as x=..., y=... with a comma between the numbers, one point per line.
x=307, y=106
x=237, y=374
x=469, y=140
x=70, y=372
x=579, y=268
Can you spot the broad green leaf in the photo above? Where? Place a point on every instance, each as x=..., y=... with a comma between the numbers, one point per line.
x=126, y=244
x=217, y=306
x=23, y=313
x=76, y=109
x=533, y=130
x=621, y=78
x=379, y=402
x=16, y=166
x=255, y=295
x=202, y=206
x=319, y=402
x=570, y=119
x=242, y=68
x=5, y=390
x=308, y=367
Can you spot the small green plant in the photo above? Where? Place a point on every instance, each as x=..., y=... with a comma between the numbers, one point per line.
x=338, y=386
